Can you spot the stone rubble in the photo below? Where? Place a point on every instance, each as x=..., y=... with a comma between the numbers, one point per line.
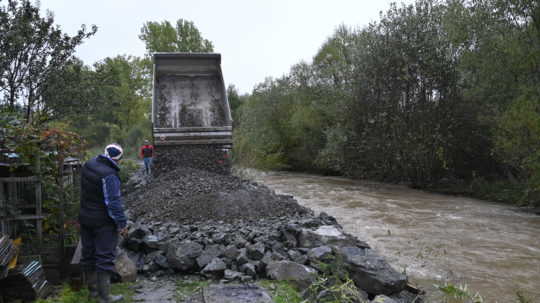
x=193, y=222
x=204, y=157
x=188, y=195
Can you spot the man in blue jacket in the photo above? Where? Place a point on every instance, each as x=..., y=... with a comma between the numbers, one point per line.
x=102, y=220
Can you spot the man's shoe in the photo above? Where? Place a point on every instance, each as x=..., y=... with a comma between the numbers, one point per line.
x=104, y=288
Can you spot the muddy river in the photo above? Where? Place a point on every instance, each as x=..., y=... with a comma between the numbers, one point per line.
x=494, y=249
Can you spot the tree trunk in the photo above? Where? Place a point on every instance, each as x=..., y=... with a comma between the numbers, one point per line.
x=29, y=106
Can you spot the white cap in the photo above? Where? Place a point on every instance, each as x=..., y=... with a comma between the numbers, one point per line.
x=114, y=151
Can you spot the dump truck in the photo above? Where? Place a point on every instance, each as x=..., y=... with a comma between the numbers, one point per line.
x=191, y=116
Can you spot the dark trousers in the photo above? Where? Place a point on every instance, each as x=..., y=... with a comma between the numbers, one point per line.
x=98, y=247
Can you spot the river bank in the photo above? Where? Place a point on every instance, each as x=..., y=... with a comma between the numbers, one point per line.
x=491, y=247
x=500, y=190
x=227, y=229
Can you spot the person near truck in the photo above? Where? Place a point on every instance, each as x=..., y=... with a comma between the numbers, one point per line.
x=102, y=220
x=147, y=153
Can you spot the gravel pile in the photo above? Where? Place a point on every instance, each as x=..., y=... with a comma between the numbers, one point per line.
x=188, y=195
x=206, y=157
x=191, y=221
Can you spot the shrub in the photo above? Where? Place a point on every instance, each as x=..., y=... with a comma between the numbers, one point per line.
x=517, y=142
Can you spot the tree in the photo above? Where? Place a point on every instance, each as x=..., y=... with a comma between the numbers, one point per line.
x=333, y=62
x=69, y=92
x=164, y=37
x=235, y=102
x=432, y=93
x=32, y=49
x=118, y=102
x=517, y=141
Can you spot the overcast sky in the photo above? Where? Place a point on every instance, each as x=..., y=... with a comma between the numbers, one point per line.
x=256, y=38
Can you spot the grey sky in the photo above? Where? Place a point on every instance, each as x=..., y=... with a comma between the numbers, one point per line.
x=256, y=39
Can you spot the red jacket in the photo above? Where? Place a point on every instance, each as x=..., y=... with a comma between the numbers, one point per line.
x=147, y=151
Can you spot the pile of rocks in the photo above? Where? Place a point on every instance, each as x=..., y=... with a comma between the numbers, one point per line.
x=212, y=158
x=188, y=195
x=191, y=221
x=282, y=248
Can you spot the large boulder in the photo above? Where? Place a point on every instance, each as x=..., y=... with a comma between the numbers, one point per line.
x=371, y=272
x=182, y=256
x=215, y=268
x=320, y=254
x=255, y=251
x=270, y=257
x=230, y=275
x=209, y=253
x=299, y=274
x=289, y=239
x=231, y=252
x=161, y=261
x=249, y=269
x=297, y=256
x=242, y=257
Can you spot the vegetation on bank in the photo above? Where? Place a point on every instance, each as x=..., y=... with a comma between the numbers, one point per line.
x=340, y=291
x=68, y=295
x=439, y=94
x=462, y=294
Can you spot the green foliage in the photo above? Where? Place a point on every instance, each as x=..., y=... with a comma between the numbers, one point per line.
x=127, y=168
x=33, y=49
x=43, y=151
x=164, y=37
x=235, y=101
x=118, y=95
x=282, y=291
x=20, y=138
x=333, y=284
x=518, y=141
x=336, y=292
x=332, y=156
x=69, y=93
x=433, y=91
x=68, y=295
x=259, y=140
x=458, y=294
x=126, y=98
x=462, y=294
x=278, y=128
x=522, y=298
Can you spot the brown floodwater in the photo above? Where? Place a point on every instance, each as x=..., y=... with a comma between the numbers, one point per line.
x=494, y=249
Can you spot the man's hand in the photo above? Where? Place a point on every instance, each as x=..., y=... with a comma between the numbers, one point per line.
x=123, y=232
